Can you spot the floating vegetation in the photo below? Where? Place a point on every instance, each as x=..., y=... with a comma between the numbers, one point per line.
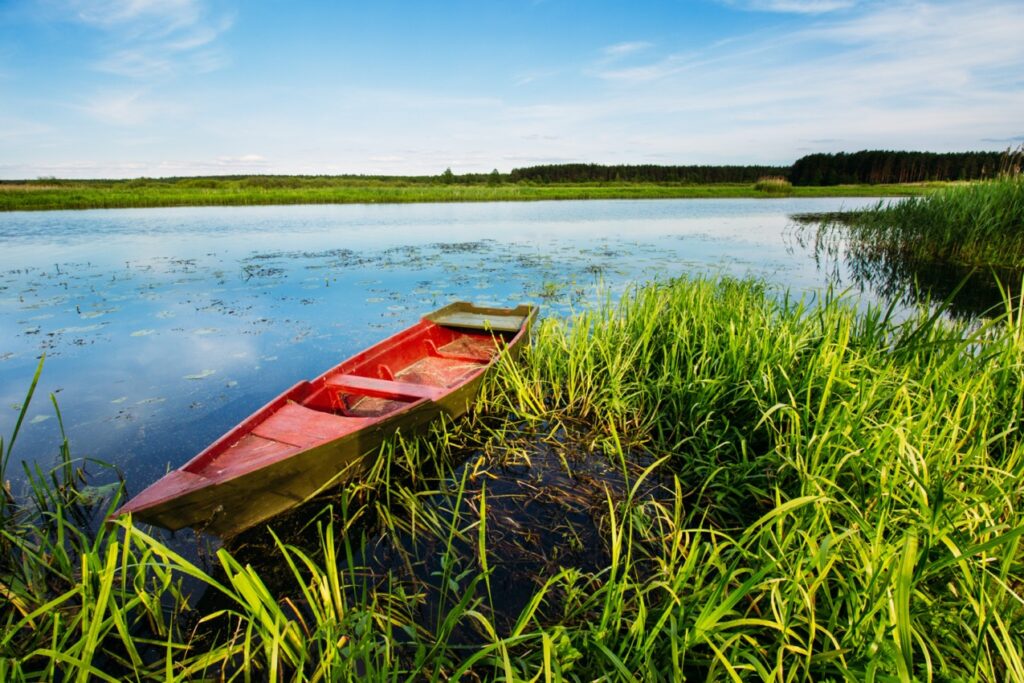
x=86, y=315
x=203, y=374
x=215, y=314
x=463, y=247
x=251, y=271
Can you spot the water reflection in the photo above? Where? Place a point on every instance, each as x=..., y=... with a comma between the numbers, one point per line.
x=892, y=275
x=165, y=327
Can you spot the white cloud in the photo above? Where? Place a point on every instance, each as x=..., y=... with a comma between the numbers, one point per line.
x=137, y=17
x=627, y=48
x=935, y=75
x=152, y=39
x=924, y=75
x=244, y=160
x=793, y=6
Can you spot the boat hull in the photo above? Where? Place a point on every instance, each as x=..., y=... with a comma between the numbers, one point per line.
x=228, y=500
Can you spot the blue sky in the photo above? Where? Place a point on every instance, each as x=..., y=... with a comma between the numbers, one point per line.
x=125, y=88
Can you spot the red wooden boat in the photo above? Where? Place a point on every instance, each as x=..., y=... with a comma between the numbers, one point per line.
x=320, y=432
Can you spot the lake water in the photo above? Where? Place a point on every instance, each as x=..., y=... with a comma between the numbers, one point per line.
x=164, y=327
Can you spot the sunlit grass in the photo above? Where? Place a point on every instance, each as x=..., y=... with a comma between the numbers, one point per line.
x=774, y=185
x=806, y=493
x=67, y=194
x=975, y=224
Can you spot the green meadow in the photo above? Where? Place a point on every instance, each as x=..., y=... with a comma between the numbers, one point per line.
x=43, y=195
x=702, y=482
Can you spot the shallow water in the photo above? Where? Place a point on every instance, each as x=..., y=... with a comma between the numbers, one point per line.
x=164, y=327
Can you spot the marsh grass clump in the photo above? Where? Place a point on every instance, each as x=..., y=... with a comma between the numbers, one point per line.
x=703, y=481
x=832, y=464
x=973, y=224
x=773, y=185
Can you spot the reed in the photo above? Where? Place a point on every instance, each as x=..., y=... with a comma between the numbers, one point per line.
x=789, y=492
x=974, y=224
x=774, y=185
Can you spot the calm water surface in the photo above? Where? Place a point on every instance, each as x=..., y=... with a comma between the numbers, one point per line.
x=165, y=327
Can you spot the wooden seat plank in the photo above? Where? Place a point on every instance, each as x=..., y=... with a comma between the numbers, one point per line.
x=480, y=321
x=383, y=388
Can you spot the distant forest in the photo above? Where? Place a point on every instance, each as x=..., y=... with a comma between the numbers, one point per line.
x=865, y=167
x=645, y=173
x=873, y=167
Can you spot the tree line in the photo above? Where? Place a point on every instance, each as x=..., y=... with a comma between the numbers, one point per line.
x=864, y=167
x=885, y=166
x=643, y=173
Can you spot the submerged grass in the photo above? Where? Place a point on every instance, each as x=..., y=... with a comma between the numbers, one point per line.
x=805, y=493
x=67, y=194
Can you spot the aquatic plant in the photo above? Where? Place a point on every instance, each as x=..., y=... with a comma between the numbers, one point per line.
x=974, y=224
x=753, y=487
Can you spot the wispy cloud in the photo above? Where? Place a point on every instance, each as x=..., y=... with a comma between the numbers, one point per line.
x=527, y=77
x=147, y=39
x=244, y=160
x=1012, y=140
x=909, y=74
x=793, y=6
x=622, y=49
x=144, y=15
x=924, y=74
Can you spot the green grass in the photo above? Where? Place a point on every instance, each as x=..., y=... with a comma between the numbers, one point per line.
x=801, y=494
x=45, y=195
x=974, y=224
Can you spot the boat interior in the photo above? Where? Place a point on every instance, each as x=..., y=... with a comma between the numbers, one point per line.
x=422, y=363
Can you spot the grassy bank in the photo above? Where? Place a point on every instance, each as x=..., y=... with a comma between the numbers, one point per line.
x=66, y=194
x=722, y=486
x=976, y=224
